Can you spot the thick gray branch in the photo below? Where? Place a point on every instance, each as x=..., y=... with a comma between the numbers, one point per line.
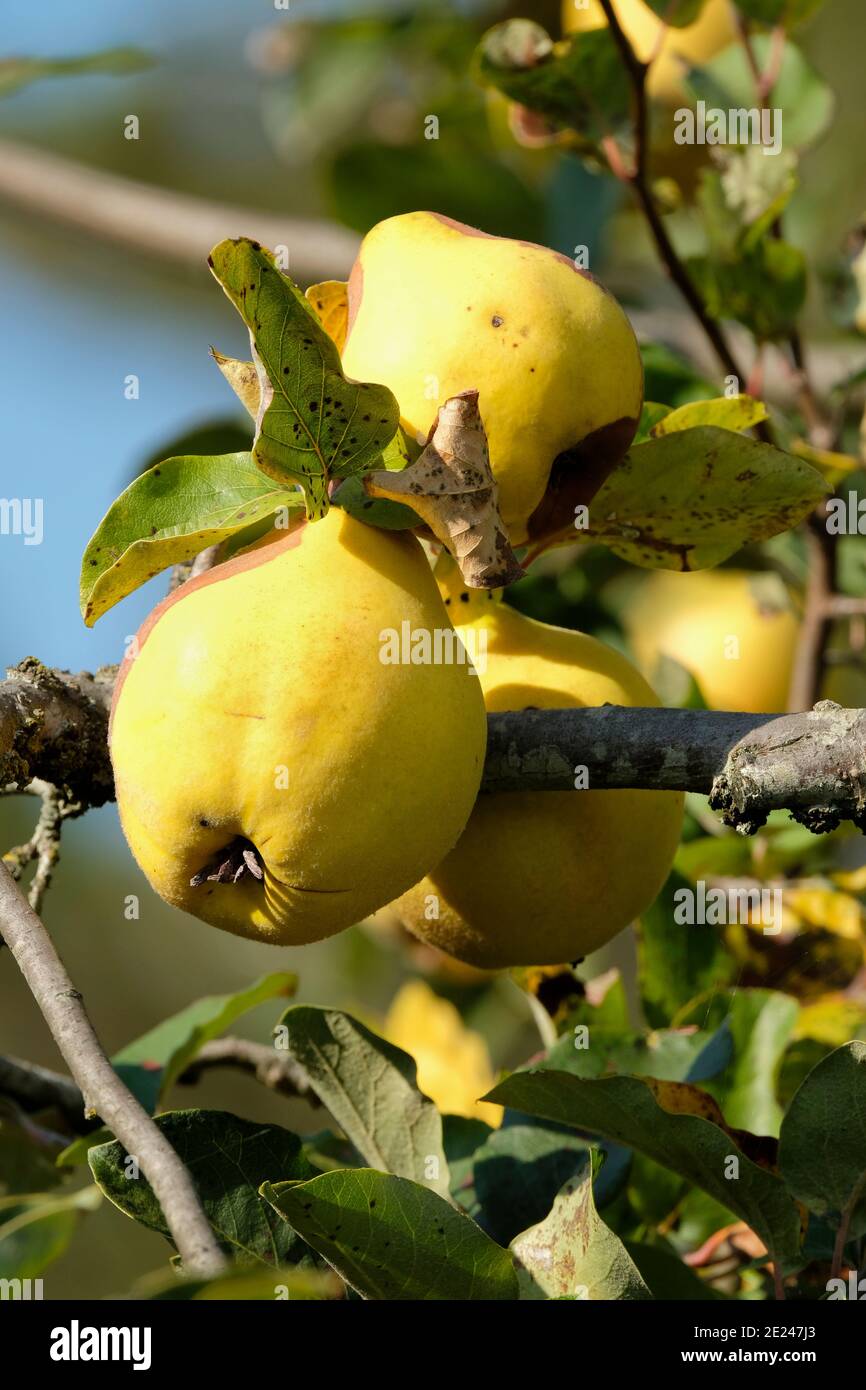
x=811, y=764
x=54, y=727
x=103, y=1091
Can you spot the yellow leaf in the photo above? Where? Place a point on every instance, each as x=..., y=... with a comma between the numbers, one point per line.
x=828, y=908
x=833, y=1020
x=851, y=880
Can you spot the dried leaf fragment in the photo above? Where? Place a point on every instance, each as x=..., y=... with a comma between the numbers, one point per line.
x=452, y=488
x=243, y=378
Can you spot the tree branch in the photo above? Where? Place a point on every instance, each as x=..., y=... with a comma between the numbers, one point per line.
x=277, y=1071
x=160, y=221
x=44, y=843
x=812, y=764
x=818, y=612
x=54, y=727
x=39, y=1088
x=639, y=181
x=102, y=1089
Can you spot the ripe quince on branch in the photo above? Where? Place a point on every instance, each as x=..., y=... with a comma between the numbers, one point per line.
x=436, y=308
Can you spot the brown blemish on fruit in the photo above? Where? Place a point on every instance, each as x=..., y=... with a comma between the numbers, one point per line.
x=576, y=476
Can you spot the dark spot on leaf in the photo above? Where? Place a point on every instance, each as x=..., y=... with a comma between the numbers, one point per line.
x=205, y=824
x=496, y=321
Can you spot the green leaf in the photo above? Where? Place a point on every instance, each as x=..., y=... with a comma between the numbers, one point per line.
x=168, y=515
x=16, y=73
x=352, y=496
x=253, y=1284
x=676, y=962
x=822, y=1149
x=312, y=424
x=677, y=13
x=728, y=412
x=369, y=1087
x=667, y=1277
x=35, y=1231
x=28, y=1153
x=462, y=1137
x=573, y=1254
x=675, y=685
x=692, y=499
x=579, y=84
x=393, y=1239
x=667, y=1054
x=670, y=378
x=153, y=1062
x=517, y=1174
x=760, y=1022
x=652, y=413
x=805, y=99
x=625, y=1109
x=229, y=1159
x=762, y=287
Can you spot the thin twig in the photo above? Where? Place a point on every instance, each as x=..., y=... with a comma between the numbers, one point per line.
x=277, y=1071
x=38, y=1088
x=103, y=1091
x=639, y=180
x=44, y=843
x=840, y=1242
x=815, y=629
x=819, y=427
